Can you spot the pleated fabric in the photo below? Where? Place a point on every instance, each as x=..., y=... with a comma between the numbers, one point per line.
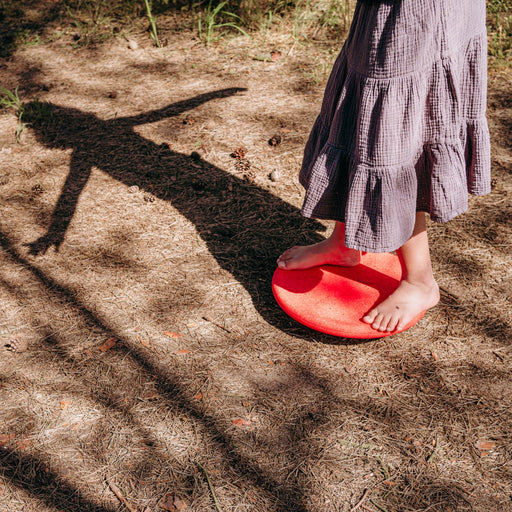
x=402, y=126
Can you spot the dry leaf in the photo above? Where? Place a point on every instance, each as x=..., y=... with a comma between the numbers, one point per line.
x=23, y=444
x=241, y=422
x=173, y=334
x=182, y=351
x=108, y=344
x=64, y=404
x=485, y=446
x=4, y=439
x=198, y=396
x=174, y=504
x=180, y=504
x=145, y=343
x=435, y=356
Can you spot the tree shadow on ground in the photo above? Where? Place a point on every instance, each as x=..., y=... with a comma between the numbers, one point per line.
x=19, y=469
x=302, y=435
x=16, y=26
x=24, y=470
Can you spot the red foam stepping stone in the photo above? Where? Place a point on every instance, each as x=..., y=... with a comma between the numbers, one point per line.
x=333, y=299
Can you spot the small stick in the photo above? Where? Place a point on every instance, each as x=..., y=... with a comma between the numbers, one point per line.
x=212, y=321
x=210, y=486
x=450, y=294
x=121, y=498
x=360, y=502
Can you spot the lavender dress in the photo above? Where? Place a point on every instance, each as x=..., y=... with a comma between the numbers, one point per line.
x=402, y=126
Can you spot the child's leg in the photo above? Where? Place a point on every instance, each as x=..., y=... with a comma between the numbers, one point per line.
x=331, y=251
x=418, y=290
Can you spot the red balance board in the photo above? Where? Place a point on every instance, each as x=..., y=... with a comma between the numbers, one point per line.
x=334, y=299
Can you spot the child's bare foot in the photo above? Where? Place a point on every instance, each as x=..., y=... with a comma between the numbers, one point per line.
x=326, y=252
x=403, y=305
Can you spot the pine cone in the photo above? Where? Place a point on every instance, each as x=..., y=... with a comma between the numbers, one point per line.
x=275, y=140
x=239, y=153
x=242, y=165
x=38, y=189
x=17, y=345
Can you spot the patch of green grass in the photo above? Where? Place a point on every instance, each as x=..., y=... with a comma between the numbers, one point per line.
x=28, y=38
x=36, y=112
x=11, y=100
x=499, y=24
x=152, y=20
x=313, y=17
x=215, y=19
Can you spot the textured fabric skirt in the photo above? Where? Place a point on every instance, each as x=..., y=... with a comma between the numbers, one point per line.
x=402, y=126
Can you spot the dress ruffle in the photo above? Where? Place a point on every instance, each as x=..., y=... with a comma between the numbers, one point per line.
x=384, y=148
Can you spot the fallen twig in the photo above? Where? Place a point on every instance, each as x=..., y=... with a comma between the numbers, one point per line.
x=360, y=502
x=121, y=498
x=212, y=321
x=210, y=486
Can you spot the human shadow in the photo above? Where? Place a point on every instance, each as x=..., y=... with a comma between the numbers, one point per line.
x=244, y=226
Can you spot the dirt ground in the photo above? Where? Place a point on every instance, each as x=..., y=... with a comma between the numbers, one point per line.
x=144, y=364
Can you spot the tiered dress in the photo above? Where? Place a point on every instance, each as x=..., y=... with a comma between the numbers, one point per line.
x=402, y=126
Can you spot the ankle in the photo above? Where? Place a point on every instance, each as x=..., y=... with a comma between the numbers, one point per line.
x=426, y=281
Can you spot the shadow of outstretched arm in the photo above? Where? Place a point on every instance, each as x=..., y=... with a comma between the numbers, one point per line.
x=179, y=107
x=79, y=174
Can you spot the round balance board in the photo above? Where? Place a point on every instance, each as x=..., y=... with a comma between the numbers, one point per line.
x=334, y=299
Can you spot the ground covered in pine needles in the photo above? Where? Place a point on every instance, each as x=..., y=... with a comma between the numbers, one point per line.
x=144, y=364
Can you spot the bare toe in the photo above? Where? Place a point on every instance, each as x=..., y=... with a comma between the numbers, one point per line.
x=370, y=317
x=393, y=323
x=377, y=321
